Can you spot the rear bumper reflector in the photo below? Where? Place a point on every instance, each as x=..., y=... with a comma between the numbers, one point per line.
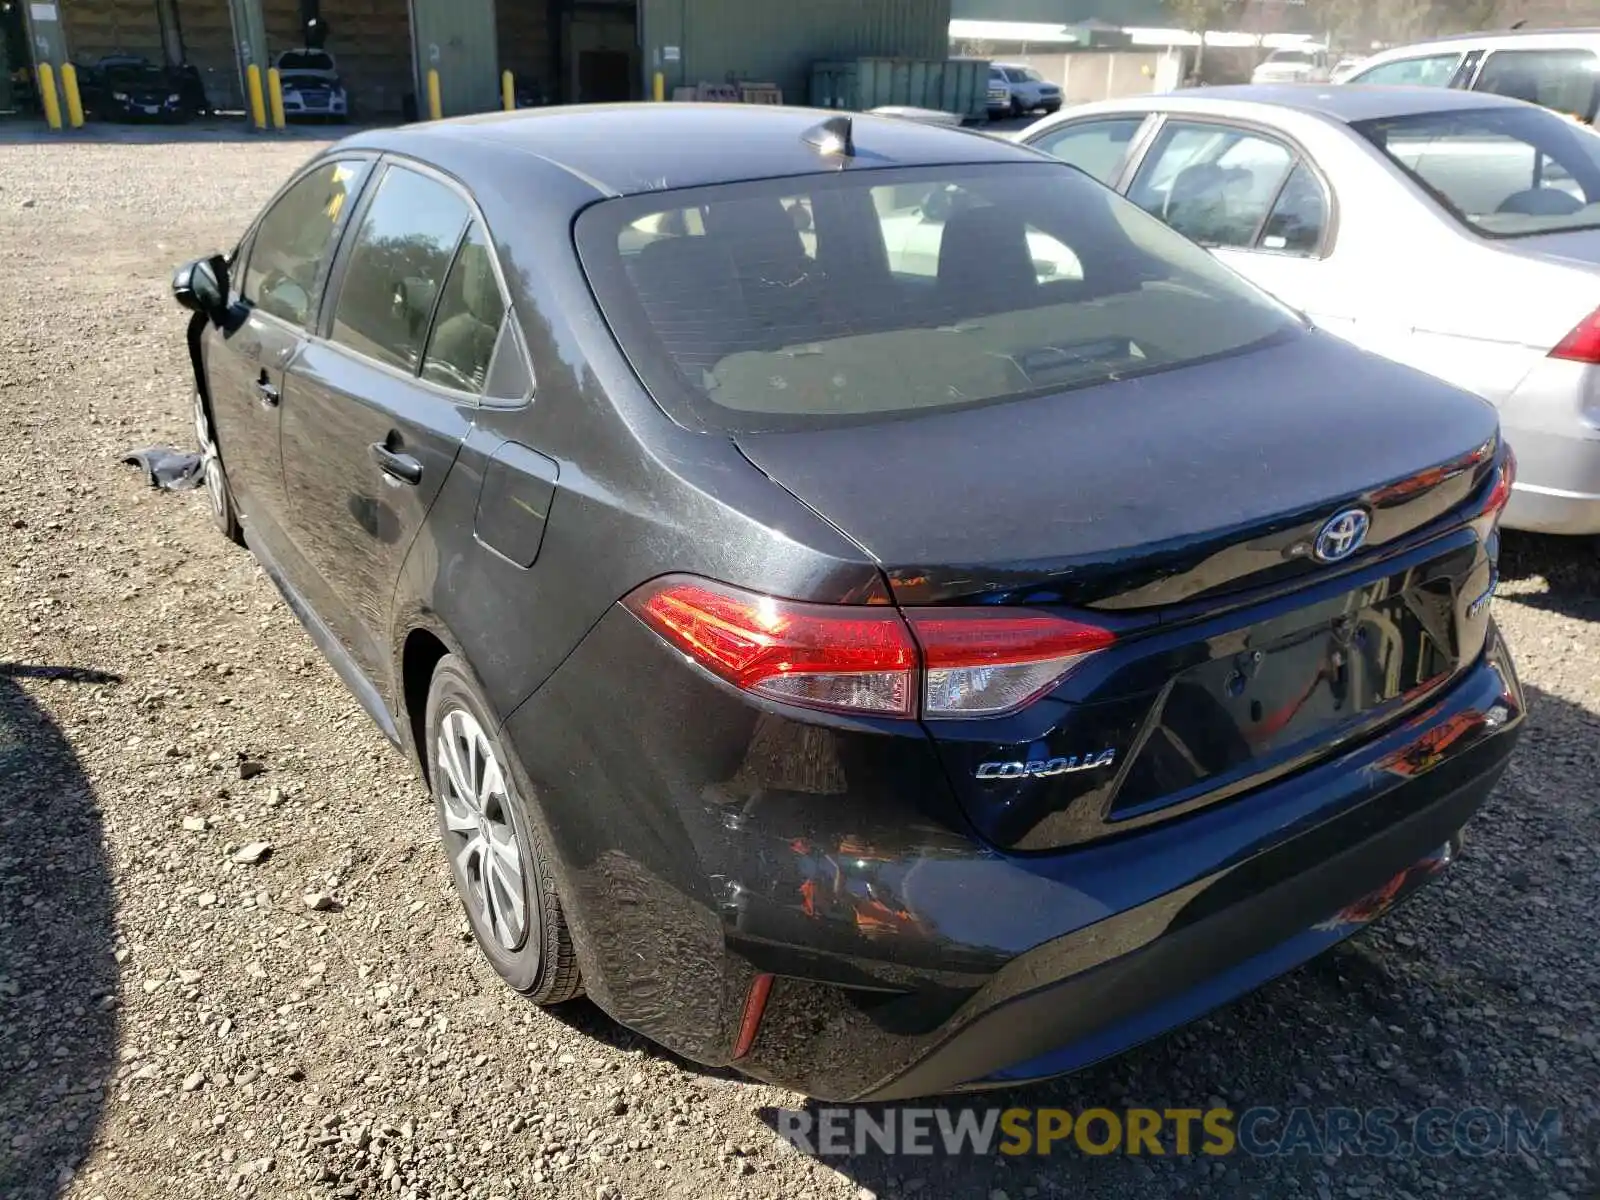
x=755, y=1005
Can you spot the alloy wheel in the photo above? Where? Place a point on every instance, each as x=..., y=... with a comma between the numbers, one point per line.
x=478, y=831
x=210, y=461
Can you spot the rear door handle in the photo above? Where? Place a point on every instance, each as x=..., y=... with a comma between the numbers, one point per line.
x=396, y=466
x=267, y=391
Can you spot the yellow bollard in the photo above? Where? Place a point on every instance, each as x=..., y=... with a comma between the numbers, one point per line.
x=508, y=91
x=660, y=87
x=69, y=87
x=47, y=95
x=258, y=110
x=275, y=96
x=434, y=109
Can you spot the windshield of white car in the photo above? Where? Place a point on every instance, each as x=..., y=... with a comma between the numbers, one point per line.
x=1291, y=56
x=1503, y=172
x=859, y=296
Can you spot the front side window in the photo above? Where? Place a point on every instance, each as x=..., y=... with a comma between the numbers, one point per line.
x=467, y=327
x=1503, y=172
x=1563, y=80
x=1213, y=183
x=295, y=237
x=1433, y=70
x=923, y=290
x=405, y=245
x=1097, y=148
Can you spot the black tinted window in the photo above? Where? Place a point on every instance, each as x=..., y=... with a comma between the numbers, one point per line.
x=401, y=253
x=294, y=238
x=471, y=311
x=1560, y=79
x=847, y=297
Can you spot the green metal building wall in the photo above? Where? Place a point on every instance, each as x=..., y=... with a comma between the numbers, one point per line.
x=778, y=40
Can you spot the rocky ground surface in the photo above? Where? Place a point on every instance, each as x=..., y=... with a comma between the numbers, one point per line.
x=231, y=964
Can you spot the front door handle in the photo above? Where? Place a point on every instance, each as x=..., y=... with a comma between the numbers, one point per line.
x=396, y=466
x=267, y=391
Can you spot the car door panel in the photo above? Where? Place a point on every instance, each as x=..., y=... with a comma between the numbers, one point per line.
x=276, y=280
x=246, y=367
x=349, y=437
x=379, y=417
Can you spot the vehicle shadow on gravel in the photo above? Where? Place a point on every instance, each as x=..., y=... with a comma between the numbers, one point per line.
x=1569, y=565
x=58, y=980
x=1472, y=995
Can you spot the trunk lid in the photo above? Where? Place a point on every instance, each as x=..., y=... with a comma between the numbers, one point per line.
x=1181, y=510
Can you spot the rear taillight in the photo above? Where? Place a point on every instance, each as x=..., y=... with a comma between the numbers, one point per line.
x=980, y=662
x=1583, y=343
x=1500, y=493
x=943, y=662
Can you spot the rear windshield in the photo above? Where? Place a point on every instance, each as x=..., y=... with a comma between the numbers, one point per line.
x=1504, y=172
x=863, y=294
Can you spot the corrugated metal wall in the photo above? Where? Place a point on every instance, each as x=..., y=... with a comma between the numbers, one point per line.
x=459, y=39
x=720, y=40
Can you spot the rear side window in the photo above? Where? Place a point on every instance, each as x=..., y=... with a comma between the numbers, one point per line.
x=1098, y=148
x=1434, y=70
x=405, y=245
x=855, y=296
x=1224, y=186
x=1563, y=80
x=294, y=238
x=467, y=327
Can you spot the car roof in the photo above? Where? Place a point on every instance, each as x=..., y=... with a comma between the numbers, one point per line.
x=1340, y=102
x=627, y=149
x=1490, y=39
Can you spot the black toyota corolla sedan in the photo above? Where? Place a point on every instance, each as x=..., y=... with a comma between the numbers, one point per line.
x=871, y=606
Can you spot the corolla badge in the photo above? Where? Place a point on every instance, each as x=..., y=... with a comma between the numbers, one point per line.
x=1341, y=535
x=1040, y=768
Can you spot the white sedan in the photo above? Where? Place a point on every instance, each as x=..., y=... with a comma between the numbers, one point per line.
x=1456, y=232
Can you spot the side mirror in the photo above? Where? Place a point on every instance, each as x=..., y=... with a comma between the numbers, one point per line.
x=202, y=286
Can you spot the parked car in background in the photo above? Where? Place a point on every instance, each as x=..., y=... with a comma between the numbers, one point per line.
x=1306, y=63
x=1346, y=67
x=129, y=88
x=1016, y=89
x=884, y=672
x=1455, y=232
x=311, y=86
x=1559, y=69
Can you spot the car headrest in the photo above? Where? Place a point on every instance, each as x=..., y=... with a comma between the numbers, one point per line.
x=984, y=259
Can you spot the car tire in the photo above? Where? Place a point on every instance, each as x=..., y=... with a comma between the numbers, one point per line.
x=219, y=496
x=1051, y=110
x=497, y=857
x=1016, y=108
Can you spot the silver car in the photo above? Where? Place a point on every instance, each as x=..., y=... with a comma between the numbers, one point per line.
x=1453, y=231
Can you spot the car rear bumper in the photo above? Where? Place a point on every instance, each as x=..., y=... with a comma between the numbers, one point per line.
x=1552, y=421
x=730, y=876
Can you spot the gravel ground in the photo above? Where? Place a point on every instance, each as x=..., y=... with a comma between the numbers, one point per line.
x=178, y=1021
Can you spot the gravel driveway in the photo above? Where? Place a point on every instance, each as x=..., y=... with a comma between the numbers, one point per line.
x=180, y=770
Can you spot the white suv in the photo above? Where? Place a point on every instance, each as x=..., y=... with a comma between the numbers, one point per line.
x=1308, y=63
x=1016, y=89
x=1559, y=69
